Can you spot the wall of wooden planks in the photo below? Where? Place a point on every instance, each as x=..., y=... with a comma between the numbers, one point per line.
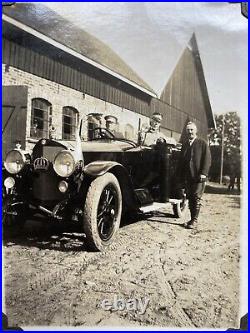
x=182, y=99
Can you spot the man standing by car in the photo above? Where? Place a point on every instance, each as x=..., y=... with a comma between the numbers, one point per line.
x=194, y=164
x=152, y=134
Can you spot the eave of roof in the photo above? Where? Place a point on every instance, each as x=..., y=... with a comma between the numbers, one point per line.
x=97, y=49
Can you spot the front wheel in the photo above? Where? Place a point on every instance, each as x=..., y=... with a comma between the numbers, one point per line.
x=13, y=219
x=102, y=212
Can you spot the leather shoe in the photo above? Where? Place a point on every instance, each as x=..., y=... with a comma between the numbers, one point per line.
x=186, y=224
x=190, y=224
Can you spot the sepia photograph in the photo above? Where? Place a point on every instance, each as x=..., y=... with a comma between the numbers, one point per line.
x=124, y=166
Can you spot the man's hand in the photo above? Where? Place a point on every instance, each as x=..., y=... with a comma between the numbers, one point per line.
x=161, y=140
x=203, y=178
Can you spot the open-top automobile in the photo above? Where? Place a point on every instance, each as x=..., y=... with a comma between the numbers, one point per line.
x=91, y=182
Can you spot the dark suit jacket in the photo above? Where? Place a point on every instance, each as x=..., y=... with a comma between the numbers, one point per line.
x=198, y=162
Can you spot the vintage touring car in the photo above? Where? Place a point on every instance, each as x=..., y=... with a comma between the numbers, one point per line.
x=90, y=182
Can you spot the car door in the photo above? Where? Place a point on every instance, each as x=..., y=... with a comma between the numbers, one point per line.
x=141, y=164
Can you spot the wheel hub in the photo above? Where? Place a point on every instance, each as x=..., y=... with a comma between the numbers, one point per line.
x=107, y=212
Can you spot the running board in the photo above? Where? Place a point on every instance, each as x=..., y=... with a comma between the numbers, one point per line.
x=158, y=205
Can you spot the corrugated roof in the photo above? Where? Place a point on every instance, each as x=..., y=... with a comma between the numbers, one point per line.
x=54, y=26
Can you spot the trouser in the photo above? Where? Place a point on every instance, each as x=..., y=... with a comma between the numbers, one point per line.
x=194, y=192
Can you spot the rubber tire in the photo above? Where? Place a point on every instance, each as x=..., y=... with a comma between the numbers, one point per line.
x=11, y=220
x=13, y=225
x=93, y=240
x=180, y=208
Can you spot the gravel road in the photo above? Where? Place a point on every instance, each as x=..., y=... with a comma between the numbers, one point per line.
x=190, y=278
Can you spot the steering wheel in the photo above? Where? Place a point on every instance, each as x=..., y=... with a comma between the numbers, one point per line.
x=103, y=133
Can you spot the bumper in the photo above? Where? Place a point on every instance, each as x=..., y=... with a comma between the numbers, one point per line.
x=62, y=211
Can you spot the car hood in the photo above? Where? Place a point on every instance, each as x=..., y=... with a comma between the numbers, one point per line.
x=99, y=145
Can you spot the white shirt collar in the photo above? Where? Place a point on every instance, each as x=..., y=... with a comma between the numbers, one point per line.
x=191, y=141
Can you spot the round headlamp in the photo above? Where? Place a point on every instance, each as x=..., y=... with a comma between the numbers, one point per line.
x=63, y=186
x=64, y=163
x=14, y=161
x=9, y=182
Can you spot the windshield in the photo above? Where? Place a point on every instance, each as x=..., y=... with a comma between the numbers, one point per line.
x=104, y=134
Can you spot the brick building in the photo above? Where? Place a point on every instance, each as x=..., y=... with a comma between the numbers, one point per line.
x=55, y=73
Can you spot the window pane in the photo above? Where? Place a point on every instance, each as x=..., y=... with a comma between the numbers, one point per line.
x=69, y=122
x=39, y=118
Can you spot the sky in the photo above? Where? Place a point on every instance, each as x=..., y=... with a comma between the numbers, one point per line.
x=150, y=38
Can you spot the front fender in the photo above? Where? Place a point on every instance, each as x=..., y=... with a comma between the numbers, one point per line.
x=99, y=168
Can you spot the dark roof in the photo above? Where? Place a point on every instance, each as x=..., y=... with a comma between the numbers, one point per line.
x=49, y=23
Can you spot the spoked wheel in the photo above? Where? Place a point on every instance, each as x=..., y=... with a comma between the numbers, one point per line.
x=106, y=212
x=102, y=212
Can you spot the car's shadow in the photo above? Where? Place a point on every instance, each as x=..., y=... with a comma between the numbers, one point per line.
x=45, y=235
x=66, y=237
x=152, y=216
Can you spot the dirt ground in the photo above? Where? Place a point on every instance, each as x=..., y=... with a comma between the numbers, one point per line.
x=191, y=278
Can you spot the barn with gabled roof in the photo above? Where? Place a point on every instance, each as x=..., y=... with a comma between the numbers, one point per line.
x=55, y=73
x=186, y=91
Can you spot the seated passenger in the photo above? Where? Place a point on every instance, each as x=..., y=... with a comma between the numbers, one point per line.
x=152, y=134
x=111, y=125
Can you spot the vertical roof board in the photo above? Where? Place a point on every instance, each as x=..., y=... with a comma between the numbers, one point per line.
x=186, y=90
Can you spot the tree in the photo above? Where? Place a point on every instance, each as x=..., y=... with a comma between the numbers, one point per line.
x=232, y=145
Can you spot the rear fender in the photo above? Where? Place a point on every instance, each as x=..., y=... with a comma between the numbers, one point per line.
x=99, y=168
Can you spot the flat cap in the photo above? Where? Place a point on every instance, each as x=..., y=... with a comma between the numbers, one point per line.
x=111, y=119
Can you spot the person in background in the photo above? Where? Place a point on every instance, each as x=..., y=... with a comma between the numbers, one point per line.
x=152, y=134
x=112, y=126
x=193, y=167
x=52, y=132
x=235, y=173
x=232, y=176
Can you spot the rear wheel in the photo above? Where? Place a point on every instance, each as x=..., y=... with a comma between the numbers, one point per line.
x=102, y=212
x=180, y=208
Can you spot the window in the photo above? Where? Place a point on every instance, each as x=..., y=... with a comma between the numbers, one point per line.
x=69, y=122
x=41, y=112
x=129, y=132
x=94, y=121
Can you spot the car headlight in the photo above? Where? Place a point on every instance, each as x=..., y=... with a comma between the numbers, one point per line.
x=9, y=182
x=64, y=163
x=14, y=161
